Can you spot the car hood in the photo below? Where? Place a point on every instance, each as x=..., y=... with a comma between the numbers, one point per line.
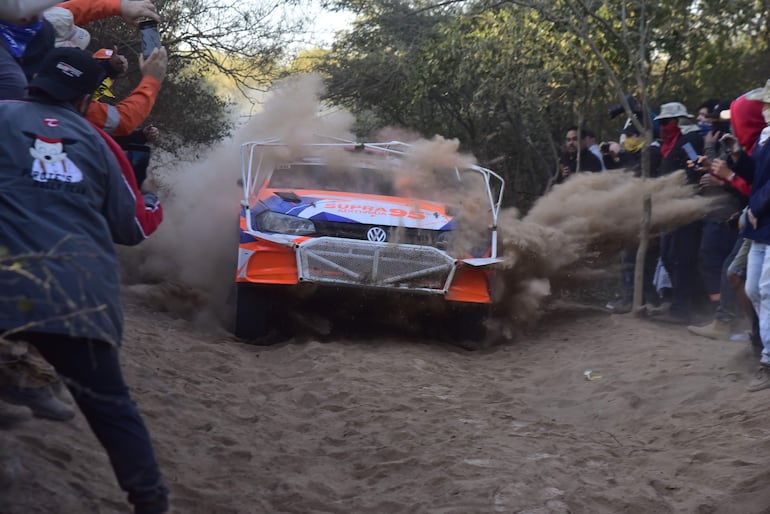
x=362, y=209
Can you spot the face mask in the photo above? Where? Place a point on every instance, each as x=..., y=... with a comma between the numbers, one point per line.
x=669, y=131
x=705, y=127
x=766, y=113
x=633, y=144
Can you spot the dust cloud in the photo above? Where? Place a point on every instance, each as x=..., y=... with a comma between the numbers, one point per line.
x=195, y=248
x=190, y=262
x=569, y=235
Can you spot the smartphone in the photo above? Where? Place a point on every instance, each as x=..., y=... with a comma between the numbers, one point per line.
x=691, y=153
x=150, y=37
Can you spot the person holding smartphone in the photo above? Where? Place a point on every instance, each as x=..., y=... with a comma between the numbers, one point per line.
x=129, y=113
x=679, y=247
x=756, y=168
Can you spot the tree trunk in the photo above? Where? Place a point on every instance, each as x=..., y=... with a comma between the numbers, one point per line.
x=644, y=232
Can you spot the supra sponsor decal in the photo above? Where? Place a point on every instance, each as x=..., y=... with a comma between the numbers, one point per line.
x=50, y=122
x=373, y=210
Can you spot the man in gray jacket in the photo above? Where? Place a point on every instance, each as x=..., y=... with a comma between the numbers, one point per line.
x=63, y=202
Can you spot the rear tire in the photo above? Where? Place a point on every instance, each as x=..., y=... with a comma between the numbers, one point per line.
x=252, y=311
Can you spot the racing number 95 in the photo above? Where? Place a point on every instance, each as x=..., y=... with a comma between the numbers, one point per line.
x=400, y=213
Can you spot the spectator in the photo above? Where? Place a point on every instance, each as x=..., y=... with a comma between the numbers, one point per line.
x=23, y=45
x=705, y=121
x=629, y=158
x=132, y=11
x=720, y=227
x=126, y=116
x=67, y=33
x=27, y=37
x=63, y=195
x=589, y=142
x=679, y=248
x=757, y=230
x=747, y=121
x=574, y=158
x=20, y=9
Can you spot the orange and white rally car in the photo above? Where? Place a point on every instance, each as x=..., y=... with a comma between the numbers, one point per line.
x=372, y=216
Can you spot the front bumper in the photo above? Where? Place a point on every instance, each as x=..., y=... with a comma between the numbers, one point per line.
x=363, y=264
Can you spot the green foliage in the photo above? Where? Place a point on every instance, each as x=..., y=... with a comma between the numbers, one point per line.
x=507, y=79
x=205, y=40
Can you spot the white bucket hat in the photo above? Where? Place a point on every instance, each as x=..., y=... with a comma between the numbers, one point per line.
x=673, y=110
x=67, y=33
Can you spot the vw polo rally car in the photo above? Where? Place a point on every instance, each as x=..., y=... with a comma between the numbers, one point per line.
x=370, y=216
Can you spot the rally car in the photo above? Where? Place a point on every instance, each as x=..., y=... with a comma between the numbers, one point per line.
x=365, y=216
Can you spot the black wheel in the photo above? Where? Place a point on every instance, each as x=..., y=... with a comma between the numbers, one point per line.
x=467, y=323
x=252, y=311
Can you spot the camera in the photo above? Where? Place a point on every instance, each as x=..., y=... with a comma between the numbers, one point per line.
x=604, y=148
x=616, y=110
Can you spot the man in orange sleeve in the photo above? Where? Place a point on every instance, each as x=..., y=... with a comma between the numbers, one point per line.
x=133, y=11
x=124, y=117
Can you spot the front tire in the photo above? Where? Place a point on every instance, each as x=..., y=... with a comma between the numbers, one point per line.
x=468, y=325
x=252, y=311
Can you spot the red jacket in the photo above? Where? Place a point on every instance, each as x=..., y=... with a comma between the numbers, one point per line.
x=148, y=218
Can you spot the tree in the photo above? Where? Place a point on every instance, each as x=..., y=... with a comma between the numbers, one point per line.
x=507, y=77
x=244, y=41
x=502, y=79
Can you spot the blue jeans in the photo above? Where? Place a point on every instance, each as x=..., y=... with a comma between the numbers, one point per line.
x=758, y=291
x=91, y=370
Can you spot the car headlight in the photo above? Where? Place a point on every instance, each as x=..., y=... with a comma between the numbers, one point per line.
x=284, y=224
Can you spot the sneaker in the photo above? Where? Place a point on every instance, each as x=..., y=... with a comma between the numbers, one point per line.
x=714, y=330
x=61, y=392
x=657, y=310
x=741, y=337
x=42, y=401
x=619, y=306
x=670, y=318
x=761, y=380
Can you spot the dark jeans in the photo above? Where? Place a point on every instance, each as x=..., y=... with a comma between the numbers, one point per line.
x=727, y=310
x=679, y=253
x=91, y=370
x=717, y=242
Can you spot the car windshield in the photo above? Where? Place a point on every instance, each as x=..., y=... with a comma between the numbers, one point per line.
x=324, y=178
x=438, y=185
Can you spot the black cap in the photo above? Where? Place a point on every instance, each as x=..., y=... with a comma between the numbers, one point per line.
x=716, y=109
x=66, y=74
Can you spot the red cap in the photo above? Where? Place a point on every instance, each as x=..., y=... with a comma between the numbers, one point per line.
x=104, y=53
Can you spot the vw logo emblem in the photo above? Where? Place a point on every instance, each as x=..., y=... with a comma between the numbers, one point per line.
x=376, y=234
